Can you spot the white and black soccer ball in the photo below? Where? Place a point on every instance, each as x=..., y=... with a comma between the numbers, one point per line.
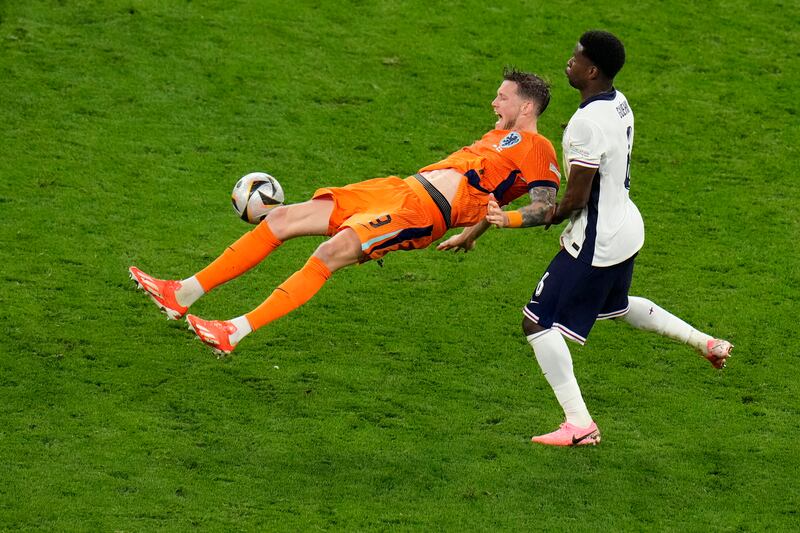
x=255, y=195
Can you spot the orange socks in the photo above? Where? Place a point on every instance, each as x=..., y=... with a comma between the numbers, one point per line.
x=246, y=253
x=239, y=257
x=291, y=294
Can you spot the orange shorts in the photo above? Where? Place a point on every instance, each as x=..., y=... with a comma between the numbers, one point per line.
x=387, y=214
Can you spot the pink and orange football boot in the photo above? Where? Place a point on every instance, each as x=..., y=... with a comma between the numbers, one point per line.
x=161, y=291
x=214, y=333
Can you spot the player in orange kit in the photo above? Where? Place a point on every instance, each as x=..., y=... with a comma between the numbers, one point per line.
x=366, y=220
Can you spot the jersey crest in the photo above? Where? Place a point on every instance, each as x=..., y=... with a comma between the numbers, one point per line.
x=509, y=140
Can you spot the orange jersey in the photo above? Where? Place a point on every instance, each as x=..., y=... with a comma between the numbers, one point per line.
x=504, y=163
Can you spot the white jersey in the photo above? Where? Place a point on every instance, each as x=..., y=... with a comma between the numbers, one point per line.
x=599, y=135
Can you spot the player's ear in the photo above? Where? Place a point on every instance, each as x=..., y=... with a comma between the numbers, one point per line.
x=529, y=107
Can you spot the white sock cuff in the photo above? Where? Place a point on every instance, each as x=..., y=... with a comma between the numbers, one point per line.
x=243, y=328
x=537, y=337
x=190, y=291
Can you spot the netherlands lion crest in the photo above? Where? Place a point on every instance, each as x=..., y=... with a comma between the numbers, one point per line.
x=510, y=140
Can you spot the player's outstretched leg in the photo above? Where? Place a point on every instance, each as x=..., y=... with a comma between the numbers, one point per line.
x=175, y=297
x=554, y=359
x=222, y=336
x=248, y=251
x=645, y=315
x=162, y=292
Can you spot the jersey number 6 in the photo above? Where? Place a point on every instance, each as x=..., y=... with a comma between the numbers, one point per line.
x=628, y=169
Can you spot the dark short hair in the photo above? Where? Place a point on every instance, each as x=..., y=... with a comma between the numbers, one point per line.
x=604, y=50
x=529, y=86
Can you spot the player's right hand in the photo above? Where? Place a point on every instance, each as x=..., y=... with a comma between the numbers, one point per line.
x=494, y=214
x=456, y=243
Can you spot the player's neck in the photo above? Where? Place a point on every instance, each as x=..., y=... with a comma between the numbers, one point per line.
x=527, y=125
x=595, y=89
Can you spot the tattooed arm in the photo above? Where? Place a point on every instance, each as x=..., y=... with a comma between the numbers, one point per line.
x=534, y=214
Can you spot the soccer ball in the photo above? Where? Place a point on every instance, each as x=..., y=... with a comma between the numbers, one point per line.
x=255, y=195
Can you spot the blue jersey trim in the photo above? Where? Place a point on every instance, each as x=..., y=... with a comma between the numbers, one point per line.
x=365, y=246
x=506, y=184
x=474, y=179
x=543, y=183
x=403, y=235
x=610, y=95
x=586, y=254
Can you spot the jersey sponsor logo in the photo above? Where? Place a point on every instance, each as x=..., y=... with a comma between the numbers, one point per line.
x=513, y=138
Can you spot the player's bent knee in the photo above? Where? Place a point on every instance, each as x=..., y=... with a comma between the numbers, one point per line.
x=529, y=327
x=277, y=220
x=341, y=250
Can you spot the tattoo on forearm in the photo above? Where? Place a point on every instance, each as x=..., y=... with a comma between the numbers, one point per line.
x=542, y=200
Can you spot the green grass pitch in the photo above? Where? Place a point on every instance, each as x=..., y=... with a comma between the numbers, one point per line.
x=400, y=398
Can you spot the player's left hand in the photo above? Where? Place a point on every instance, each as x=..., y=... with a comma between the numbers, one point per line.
x=495, y=215
x=457, y=243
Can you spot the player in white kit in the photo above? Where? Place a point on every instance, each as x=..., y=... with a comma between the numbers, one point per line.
x=590, y=277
